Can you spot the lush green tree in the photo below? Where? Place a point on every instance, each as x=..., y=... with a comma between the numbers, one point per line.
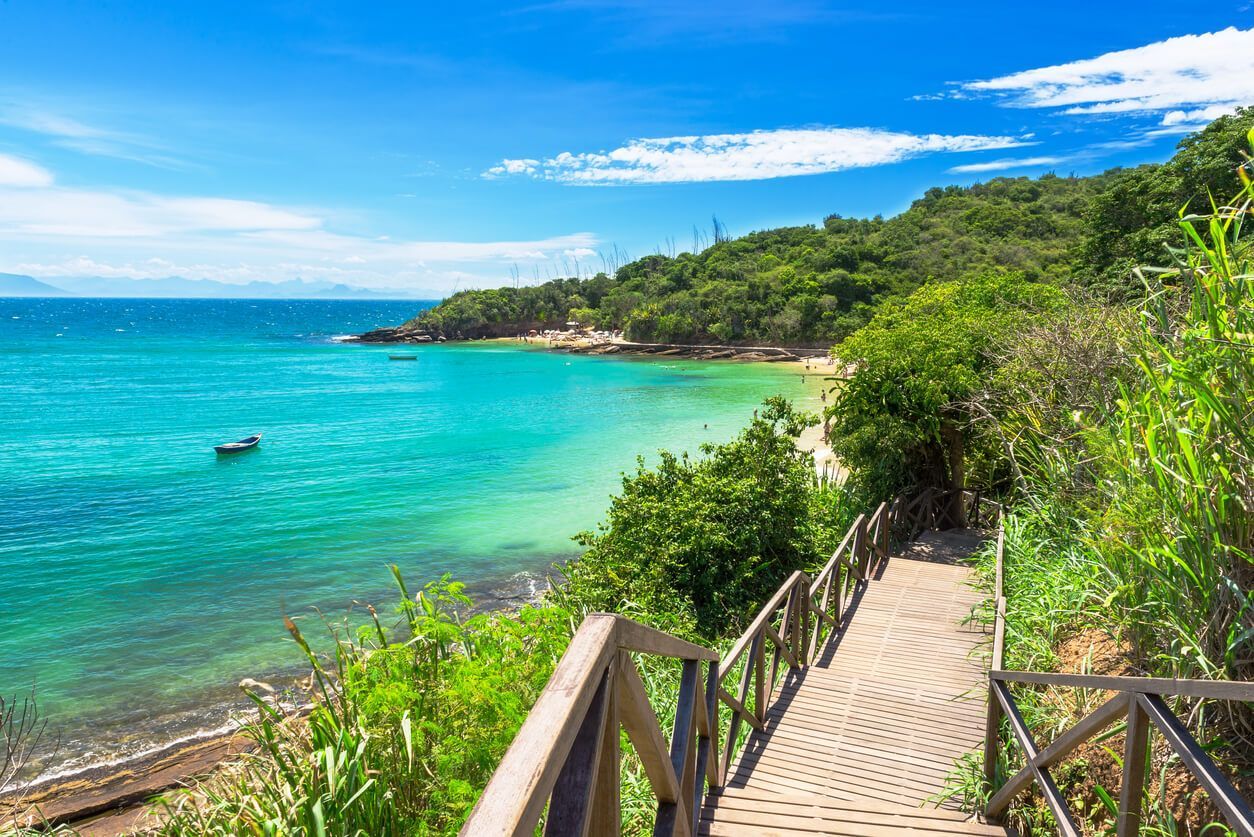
x=694, y=543
x=902, y=419
x=813, y=286
x=1133, y=222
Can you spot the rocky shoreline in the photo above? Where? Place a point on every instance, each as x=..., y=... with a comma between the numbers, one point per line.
x=756, y=354
x=110, y=799
x=401, y=334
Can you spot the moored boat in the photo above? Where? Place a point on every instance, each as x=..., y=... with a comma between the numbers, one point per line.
x=242, y=444
x=402, y=357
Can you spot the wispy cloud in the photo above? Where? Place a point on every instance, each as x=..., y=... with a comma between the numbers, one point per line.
x=1007, y=164
x=1185, y=81
x=759, y=155
x=14, y=171
x=645, y=22
x=76, y=135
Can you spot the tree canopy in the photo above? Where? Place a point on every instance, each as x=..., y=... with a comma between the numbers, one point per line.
x=1134, y=220
x=807, y=285
x=900, y=418
x=815, y=285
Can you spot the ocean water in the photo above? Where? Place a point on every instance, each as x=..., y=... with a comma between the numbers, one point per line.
x=142, y=576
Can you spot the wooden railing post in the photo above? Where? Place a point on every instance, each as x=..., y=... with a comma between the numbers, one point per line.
x=992, y=739
x=1132, y=792
x=801, y=621
x=571, y=807
x=708, y=759
x=890, y=514
x=992, y=724
x=672, y=817
x=759, y=674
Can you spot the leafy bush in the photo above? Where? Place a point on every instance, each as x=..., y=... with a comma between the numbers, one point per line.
x=902, y=418
x=1133, y=221
x=403, y=735
x=693, y=544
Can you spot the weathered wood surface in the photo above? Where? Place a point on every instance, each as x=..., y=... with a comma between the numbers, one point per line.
x=858, y=742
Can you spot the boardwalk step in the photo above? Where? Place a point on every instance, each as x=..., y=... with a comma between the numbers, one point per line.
x=743, y=811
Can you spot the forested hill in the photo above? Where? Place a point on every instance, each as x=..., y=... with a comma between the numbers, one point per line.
x=815, y=285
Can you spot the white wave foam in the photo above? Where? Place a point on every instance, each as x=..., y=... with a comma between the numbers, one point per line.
x=83, y=763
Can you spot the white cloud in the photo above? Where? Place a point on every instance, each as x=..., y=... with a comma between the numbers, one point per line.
x=514, y=167
x=1190, y=80
x=14, y=171
x=85, y=213
x=753, y=156
x=143, y=235
x=1007, y=163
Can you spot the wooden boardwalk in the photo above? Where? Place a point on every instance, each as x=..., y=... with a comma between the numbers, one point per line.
x=862, y=688
x=858, y=742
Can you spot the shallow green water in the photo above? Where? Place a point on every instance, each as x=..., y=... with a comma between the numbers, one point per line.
x=141, y=576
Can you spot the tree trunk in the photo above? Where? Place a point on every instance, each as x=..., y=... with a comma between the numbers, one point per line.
x=957, y=473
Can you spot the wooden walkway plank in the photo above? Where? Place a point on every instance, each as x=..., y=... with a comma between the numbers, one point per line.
x=860, y=741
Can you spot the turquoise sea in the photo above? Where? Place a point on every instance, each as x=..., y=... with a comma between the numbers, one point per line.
x=141, y=576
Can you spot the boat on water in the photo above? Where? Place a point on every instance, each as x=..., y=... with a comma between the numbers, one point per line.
x=402, y=357
x=242, y=444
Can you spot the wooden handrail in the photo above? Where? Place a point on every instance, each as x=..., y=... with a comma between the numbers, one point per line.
x=1138, y=701
x=1169, y=686
x=566, y=754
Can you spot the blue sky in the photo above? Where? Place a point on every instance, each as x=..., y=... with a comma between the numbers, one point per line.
x=472, y=144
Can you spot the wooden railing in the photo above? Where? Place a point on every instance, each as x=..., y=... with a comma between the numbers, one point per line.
x=1138, y=704
x=566, y=755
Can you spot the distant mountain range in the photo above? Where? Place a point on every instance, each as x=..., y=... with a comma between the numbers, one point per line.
x=12, y=284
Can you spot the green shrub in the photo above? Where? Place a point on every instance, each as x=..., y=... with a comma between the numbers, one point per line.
x=403, y=734
x=693, y=545
x=902, y=419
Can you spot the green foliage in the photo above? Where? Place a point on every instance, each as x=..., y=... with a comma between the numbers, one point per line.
x=815, y=286
x=916, y=365
x=1133, y=221
x=1159, y=468
x=1134, y=514
x=694, y=544
x=1178, y=483
x=799, y=285
x=403, y=736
